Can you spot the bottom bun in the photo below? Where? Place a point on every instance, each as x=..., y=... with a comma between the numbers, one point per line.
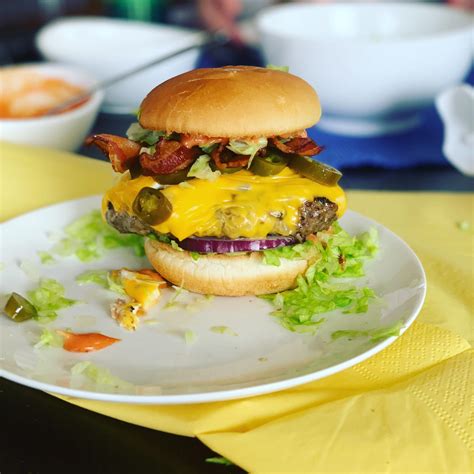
x=224, y=275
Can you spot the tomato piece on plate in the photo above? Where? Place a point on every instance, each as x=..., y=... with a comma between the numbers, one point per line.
x=86, y=342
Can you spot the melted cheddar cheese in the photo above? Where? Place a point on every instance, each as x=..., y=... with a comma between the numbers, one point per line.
x=234, y=205
x=142, y=289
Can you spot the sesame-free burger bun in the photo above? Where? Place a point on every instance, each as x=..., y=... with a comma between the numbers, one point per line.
x=224, y=275
x=233, y=102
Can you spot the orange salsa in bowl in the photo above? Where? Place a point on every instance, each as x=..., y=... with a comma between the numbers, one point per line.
x=27, y=93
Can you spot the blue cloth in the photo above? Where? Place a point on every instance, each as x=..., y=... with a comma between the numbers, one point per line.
x=416, y=147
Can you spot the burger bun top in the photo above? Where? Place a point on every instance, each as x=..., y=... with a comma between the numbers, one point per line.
x=231, y=102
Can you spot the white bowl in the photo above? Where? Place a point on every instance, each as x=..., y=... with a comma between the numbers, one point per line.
x=65, y=131
x=108, y=47
x=374, y=66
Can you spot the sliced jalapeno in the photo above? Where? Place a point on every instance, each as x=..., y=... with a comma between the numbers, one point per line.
x=268, y=165
x=315, y=170
x=19, y=309
x=152, y=206
x=172, y=178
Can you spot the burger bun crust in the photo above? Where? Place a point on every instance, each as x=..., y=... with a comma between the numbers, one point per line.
x=232, y=102
x=224, y=275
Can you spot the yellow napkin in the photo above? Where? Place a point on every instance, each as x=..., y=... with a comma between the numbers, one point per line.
x=407, y=409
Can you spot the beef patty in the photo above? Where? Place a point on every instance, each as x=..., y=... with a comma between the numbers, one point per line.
x=314, y=216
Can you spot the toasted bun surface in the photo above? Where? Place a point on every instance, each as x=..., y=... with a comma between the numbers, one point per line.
x=223, y=274
x=233, y=101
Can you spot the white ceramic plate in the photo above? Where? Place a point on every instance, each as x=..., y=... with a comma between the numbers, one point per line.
x=159, y=366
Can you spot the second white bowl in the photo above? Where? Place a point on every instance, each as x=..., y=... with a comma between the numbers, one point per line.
x=373, y=66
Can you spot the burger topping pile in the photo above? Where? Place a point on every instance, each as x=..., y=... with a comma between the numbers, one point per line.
x=252, y=194
x=170, y=157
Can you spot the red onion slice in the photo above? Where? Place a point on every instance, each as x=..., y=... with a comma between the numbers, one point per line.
x=217, y=245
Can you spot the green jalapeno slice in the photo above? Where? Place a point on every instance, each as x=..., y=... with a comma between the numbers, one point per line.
x=19, y=309
x=152, y=206
x=269, y=165
x=315, y=170
x=172, y=178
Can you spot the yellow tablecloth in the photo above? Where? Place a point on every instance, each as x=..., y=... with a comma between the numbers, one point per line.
x=408, y=409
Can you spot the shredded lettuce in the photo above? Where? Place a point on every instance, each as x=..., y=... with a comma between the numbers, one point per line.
x=247, y=147
x=89, y=237
x=184, y=300
x=195, y=256
x=278, y=68
x=100, y=376
x=45, y=257
x=174, y=302
x=30, y=270
x=49, y=338
x=159, y=237
x=201, y=169
x=190, y=337
x=97, y=277
x=291, y=252
x=49, y=298
x=331, y=249
x=334, y=255
x=223, y=330
x=139, y=134
x=103, y=278
x=375, y=335
x=220, y=460
x=114, y=283
x=175, y=245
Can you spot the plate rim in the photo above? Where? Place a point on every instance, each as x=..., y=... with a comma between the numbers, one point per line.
x=220, y=395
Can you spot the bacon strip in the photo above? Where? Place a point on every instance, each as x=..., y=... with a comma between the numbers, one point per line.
x=224, y=158
x=121, y=152
x=170, y=156
x=298, y=146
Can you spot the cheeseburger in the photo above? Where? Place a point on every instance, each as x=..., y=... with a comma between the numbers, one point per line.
x=219, y=170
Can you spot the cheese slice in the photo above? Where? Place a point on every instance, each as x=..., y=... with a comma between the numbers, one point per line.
x=233, y=205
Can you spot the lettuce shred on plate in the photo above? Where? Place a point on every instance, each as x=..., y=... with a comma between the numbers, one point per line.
x=105, y=278
x=335, y=255
x=223, y=330
x=48, y=299
x=190, y=337
x=49, y=338
x=185, y=300
x=45, y=257
x=99, y=375
x=89, y=237
x=375, y=335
